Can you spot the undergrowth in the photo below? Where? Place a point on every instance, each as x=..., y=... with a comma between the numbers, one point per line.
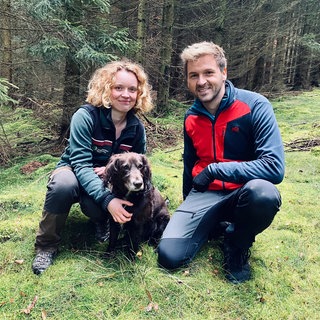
x=82, y=285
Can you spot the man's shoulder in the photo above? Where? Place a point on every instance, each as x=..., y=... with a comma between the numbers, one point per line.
x=248, y=94
x=251, y=98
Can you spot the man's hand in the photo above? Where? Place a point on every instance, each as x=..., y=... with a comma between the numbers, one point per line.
x=202, y=180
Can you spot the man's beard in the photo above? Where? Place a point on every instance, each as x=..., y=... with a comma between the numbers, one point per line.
x=211, y=96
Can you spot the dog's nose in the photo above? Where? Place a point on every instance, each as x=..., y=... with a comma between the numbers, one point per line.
x=137, y=185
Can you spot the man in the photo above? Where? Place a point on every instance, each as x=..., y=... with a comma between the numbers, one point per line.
x=233, y=156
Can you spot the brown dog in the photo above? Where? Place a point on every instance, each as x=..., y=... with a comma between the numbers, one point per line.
x=128, y=176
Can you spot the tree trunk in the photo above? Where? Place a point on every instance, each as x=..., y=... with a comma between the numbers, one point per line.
x=71, y=91
x=141, y=30
x=292, y=50
x=5, y=39
x=165, y=54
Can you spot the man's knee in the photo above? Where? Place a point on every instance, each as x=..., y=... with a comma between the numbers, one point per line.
x=258, y=204
x=263, y=193
x=171, y=253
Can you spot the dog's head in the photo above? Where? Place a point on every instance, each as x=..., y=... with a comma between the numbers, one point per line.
x=126, y=173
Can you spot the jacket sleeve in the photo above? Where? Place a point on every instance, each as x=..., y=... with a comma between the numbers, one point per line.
x=268, y=163
x=189, y=159
x=81, y=157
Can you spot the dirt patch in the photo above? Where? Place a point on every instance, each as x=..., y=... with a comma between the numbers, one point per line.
x=32, y=166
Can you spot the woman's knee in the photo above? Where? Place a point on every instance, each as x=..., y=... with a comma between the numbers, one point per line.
x=62, y=192
x=91, y=209
x=63, y=184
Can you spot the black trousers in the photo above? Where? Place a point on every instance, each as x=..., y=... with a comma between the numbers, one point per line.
x=250, y=209
x=63, y=190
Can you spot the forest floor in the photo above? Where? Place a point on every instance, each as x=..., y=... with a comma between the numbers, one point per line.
x=81, y=284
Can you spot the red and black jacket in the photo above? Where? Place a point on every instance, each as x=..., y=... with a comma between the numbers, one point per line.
x=240, y=143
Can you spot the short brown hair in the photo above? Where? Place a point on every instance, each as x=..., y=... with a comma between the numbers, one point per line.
x=196, y=50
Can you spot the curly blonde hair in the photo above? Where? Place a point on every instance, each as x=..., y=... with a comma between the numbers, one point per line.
x=102, y=80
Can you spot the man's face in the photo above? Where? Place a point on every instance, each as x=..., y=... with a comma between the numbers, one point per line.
x=206, y=81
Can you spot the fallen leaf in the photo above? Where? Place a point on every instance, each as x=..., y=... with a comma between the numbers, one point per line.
x=215, y=271
x=152, y=306
x=20, y=261
x=99, y=262
x=149, y=295
x=262, y=300
x=148, y=308
x=139, y=254
x=30, y=306
x=43, y=314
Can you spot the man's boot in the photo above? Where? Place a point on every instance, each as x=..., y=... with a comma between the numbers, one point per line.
x=236, y=263
x=47, y=240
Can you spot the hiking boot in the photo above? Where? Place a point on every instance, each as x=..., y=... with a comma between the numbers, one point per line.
x=102, y=230
x=43, y=260
x=236, y=263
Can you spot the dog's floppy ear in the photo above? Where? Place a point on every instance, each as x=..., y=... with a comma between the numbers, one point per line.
x=146, y=168
x=112, y=170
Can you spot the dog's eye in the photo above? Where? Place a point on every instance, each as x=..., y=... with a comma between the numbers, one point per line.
x=126, y=167
x=140, y=165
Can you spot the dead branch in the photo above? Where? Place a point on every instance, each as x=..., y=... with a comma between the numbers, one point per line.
x=302, y=144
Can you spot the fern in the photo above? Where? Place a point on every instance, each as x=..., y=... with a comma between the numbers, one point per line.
x=4, y=92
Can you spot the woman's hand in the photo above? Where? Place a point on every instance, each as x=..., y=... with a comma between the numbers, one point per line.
x=117, y=210
x=99, y=171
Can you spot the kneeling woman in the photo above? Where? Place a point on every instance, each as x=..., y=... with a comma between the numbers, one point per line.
x=106, y=125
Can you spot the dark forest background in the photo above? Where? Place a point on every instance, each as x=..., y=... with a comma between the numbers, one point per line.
x=49, y=49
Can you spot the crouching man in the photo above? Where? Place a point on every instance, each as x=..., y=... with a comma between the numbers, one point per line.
x=233, y=156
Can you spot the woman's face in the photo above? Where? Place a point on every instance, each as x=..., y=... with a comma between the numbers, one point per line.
x=124, y=91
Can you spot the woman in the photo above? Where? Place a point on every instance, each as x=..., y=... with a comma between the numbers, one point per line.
x=104, y=126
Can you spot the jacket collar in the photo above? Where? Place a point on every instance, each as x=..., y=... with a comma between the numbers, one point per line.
x=106, y=120
x=226, y=101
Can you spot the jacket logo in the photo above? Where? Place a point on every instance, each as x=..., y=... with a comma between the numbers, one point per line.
x=235, y=129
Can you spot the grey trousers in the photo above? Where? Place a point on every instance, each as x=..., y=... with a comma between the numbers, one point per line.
x=250, y=208
x=63, y=190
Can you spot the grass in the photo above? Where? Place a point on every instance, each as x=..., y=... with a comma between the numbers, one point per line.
x=81, y=285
